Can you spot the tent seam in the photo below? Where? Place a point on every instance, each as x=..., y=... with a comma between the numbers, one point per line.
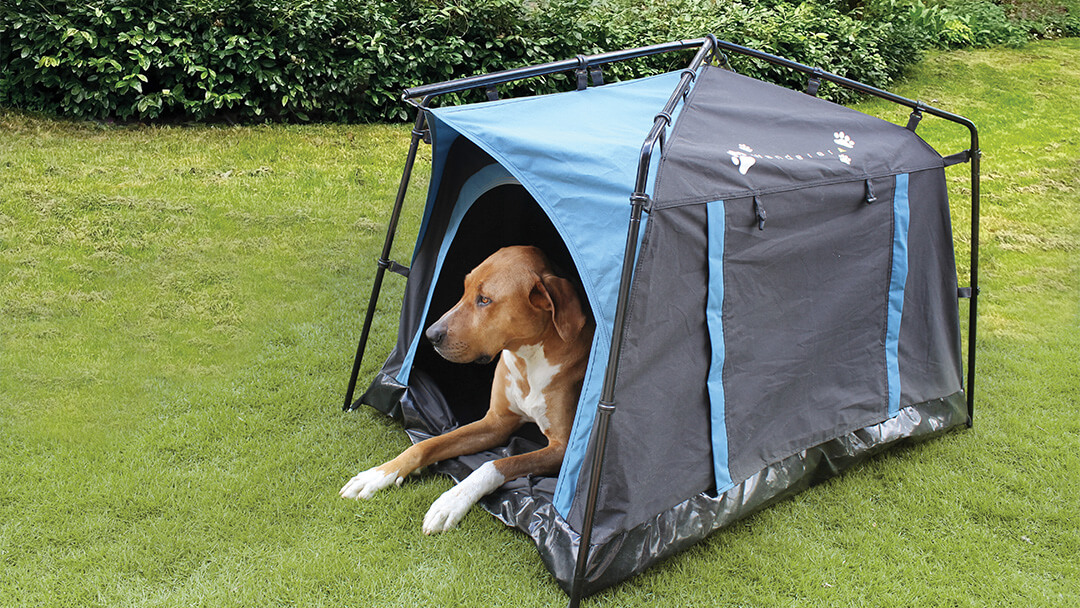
x=740, y=194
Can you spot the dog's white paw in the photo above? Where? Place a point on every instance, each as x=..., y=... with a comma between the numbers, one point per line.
x=451, y=507
x=366, y=484
x=447, y=511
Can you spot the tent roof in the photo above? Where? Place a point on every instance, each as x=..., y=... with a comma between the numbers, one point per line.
x=577, y=153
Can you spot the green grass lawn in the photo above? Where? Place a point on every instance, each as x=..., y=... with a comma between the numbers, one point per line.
x=178, y=312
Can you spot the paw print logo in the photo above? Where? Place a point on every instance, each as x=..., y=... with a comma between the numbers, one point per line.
x=742, y=159
x=841, y=139
x=844, y=158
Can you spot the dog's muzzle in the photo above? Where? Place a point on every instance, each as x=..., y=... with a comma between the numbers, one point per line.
x=437, y=335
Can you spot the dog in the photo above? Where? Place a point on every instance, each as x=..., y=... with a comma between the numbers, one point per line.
x=515, y=308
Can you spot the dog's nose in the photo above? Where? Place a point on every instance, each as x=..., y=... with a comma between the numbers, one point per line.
x=435, y=334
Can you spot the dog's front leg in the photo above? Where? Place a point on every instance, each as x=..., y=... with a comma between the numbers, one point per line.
x=449, y=509
x=490, y=431
x=367, y=483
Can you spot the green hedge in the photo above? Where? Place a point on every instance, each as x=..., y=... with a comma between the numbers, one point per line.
x=810, y=33
x=348, y=60
x=253, y=60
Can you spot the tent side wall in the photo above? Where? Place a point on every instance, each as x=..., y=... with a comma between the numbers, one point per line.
x=929, y=348
x=814, y=244
x=788, y=292
x=805, y=319
x=795, y=416
x=659, y=444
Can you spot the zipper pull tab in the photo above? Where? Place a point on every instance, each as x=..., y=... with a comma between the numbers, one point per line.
x=759, y=213
x=870, y=197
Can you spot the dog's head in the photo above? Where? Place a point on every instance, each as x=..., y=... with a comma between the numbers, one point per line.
x=511, y=299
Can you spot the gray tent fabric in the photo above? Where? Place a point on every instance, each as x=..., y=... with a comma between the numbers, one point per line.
x=793, y=308
x=741, y=137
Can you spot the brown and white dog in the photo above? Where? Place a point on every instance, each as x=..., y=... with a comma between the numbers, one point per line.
x=517, y=309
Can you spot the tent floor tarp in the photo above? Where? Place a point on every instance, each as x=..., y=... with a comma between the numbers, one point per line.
x=777, y=303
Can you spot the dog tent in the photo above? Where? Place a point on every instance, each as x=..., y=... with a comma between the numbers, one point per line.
x=774, y=290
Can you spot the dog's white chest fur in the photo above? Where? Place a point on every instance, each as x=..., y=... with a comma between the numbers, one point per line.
x=529, y=374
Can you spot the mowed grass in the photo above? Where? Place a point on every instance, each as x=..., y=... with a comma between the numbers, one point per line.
x=178, y=313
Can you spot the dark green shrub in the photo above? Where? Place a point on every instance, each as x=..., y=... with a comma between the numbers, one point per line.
x=989, y=23
x=263, y=60
x=950, y=23
x=1045, y=18
x=809, y=33
x=927, y=25
x=160, y=58
x=348, y=60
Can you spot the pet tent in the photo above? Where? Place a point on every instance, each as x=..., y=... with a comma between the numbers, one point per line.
x=774, y=291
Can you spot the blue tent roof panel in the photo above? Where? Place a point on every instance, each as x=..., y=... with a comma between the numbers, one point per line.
x=577, y=154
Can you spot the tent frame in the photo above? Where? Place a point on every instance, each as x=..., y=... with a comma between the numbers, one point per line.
x=709, y=49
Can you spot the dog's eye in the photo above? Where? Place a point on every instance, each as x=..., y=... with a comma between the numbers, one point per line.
x=482, y=300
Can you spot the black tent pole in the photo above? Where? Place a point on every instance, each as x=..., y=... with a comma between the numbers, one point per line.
x=606, y=407
x=384, y=259
x=533, y=71
x=973, y=315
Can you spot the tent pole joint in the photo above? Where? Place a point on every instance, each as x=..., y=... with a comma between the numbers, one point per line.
x=814, y=83
x=393, y=267
x=640, y=200
x=915, y=117
x=582, y=72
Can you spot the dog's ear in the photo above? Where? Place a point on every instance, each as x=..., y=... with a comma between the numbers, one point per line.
x=557, y=295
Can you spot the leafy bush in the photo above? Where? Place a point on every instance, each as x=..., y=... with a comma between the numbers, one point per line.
x=1045, y=18
x=348, y=60
x=260, y=59
x=813, y=34
x=955, y=23
x=988, y=23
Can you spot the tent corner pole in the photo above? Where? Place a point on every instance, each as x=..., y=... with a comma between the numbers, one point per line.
x=973, y=307
x=384, y=258
x=606, y=406
x=578, y=585
x=638, y=202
